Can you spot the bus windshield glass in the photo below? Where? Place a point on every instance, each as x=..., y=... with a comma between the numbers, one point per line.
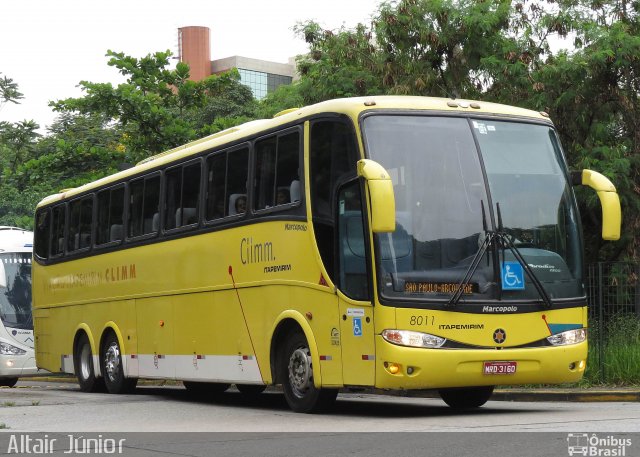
x=15, y=290
x=450, y=176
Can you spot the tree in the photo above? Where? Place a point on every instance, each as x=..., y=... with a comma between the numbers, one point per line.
x=9, y=92
x=500, y=51
x=156, y=108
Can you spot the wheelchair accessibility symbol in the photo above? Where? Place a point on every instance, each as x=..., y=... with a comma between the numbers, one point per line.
x=512, y=276
x=357, y=326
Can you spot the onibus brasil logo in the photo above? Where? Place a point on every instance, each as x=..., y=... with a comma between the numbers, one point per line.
x=594, y=445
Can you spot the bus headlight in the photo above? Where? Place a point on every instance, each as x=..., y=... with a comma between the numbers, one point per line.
x=8, y=349
x=568, y=337
x=412, y=339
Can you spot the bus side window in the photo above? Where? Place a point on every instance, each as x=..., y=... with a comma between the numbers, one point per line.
x=226, y=180
x=110, y=215
x=80, y=219
x=277, y=165
x=41, y=238
x=352, y=243
x=332, y=160
x=144, y=202
x=57, y=231
x=182, y=195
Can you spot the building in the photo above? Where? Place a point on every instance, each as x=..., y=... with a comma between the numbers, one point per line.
x=260, y=75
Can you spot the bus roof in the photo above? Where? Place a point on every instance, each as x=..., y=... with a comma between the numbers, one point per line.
x=349, y=106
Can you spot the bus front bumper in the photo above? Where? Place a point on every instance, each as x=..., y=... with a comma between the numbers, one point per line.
x=400, y=367
x=15, y=366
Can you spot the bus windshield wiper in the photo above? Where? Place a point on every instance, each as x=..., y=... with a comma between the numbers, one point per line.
x=503, y=238
x=488, y=239
x=506, y=241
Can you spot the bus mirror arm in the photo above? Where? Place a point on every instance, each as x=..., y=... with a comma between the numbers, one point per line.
x=609, y=200
x=382, y=200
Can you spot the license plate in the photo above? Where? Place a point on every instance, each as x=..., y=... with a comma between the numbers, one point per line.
x=499, y=367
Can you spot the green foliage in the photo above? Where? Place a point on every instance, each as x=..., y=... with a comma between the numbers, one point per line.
x=9, y=92
x=494, y=50
x=618, y=345
x=500, y=51
x=158, y=108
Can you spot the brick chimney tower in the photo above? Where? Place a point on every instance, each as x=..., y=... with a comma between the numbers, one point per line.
x=194, y=50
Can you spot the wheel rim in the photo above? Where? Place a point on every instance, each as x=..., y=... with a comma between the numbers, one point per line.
x=300, y=371
x=112, y=361
x=85, y=361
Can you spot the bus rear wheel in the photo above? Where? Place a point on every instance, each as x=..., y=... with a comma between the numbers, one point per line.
x=112, y=368
x=466, y=397
x=296, y=373
x=83, y=367
x=8, y=382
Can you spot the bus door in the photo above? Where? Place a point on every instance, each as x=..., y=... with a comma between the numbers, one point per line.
x=356, y=310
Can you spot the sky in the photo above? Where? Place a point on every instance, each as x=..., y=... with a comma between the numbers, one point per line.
x=48, y=46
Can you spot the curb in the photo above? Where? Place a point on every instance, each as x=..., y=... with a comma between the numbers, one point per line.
x=597, y=394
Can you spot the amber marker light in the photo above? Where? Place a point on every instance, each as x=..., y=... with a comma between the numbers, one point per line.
x=392, y=367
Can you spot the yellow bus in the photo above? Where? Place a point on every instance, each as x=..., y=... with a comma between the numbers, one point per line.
x=388, y=242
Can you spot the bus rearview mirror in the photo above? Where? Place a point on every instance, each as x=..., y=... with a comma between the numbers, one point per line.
x=382, y=200
x=609, y=200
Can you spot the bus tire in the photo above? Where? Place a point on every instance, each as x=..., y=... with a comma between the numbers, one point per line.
x=83, y=367
x=8, y=382
x=205, y=388
x=251, y=390
x=112, y=368
x=296, y=373
x=466, y=397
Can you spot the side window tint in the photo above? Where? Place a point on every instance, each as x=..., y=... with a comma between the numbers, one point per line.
x=57, y=230
x=182, y=196
x=143, y=206
x=227, y=183
x=190, y=195
x=216, y=181
x=41, y=236
x=277, y=169
x=352, y=243
x=79, y=231
x=237, y=175
x=173, y=187
x=332, y=160
x=110, y=215
x=266, y=155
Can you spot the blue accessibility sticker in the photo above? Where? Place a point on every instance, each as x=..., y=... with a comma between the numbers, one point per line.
x=512, y=276
x=357, y=326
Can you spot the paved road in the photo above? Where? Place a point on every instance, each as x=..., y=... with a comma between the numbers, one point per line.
x=62, y=408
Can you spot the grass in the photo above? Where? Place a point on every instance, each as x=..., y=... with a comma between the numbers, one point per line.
x=618, y=343
x=9, y=403
x=3, y=426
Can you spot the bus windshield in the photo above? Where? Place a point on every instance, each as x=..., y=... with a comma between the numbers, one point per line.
x=15, y=290
x=450, y=176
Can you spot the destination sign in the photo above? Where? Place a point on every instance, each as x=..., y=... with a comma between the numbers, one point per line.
x=415, y=287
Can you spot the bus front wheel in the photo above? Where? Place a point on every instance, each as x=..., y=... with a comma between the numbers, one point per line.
x=112, y=368
x=466, y=397
x=83, y=366
x=296, y=373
